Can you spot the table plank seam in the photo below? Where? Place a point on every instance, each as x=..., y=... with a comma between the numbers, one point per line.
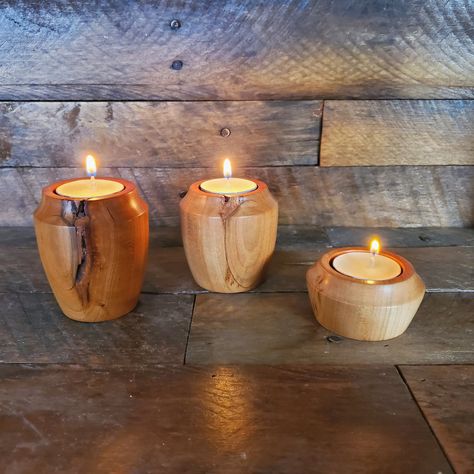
x=413, y=397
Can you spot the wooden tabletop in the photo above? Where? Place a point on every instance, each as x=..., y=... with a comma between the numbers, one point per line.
x=194, y=382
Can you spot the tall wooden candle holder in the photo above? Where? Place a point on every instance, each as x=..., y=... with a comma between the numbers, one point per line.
x=364, y=309
x=228, y=240
x=93, y=250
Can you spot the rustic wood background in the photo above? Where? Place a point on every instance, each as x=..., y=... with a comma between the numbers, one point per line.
x=355, y=113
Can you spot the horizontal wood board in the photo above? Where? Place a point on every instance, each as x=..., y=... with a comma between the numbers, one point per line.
x=350, y=196
x=160, y=134
x=280, y=328
x=397, y=132
x=442, y=268
x=33, y=329
x=234, y=49
x=444, y=393
x=218, y=420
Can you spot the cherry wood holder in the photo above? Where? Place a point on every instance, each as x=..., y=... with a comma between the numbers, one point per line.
x=93, y=250
x=366, y=310
x=228, y=240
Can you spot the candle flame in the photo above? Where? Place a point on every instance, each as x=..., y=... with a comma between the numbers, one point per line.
x=91, y=166
x=227, y=169
x=374, y=247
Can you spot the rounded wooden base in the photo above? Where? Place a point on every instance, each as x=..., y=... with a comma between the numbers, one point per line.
x=93, y=251
x=228, y=240
x=363, y=309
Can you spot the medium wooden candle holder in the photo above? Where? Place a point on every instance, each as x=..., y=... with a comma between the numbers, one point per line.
x=228, y=240
x=93, y=251
x=366, y=310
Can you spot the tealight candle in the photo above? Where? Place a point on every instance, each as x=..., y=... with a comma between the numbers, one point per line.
x=364, y=295
x=229, y=231
x=228, y=185
x=366, y=265
x=89, y=188
x=92, y=238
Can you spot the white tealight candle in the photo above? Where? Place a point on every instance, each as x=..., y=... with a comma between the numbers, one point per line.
x=89, y=188
x=365, y=265
x=228, y=185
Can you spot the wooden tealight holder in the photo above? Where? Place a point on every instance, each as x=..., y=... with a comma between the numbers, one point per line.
x=364, y=309
x=228, y=240
x=93, y=251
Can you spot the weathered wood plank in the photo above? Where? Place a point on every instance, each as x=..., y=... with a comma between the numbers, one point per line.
x=397, y=132
x=222, y=420
x=401, y=237
x=33, y=329
x=400, y=196
x=236, y=49
x=160, y=134
x=444, y=393
x=442, y=268
x=281, y=329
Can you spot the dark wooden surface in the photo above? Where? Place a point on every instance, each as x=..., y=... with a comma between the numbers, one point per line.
x=160, y=134
x=122, y=400
x=401, y=237
x=445, y=395
x=399, y=196
x=168, y=272
x=33, y=329
x=397, y=132
x=280, y=328
x=236, y=49
x=213, y=420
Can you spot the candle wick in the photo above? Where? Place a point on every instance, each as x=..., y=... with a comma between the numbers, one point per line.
x=372, y=259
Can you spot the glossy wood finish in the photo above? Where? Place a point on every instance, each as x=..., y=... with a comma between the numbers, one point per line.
x=228, y=240
x=397, y=132
x=33, y=330
x=359, y=309
x=280, y=328
x=444, y=394
x=160, y=134
x=93, y=251
x=307, y=195
x=213, y=420
x=235, y=49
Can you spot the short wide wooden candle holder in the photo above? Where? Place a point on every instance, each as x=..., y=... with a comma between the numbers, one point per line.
x=93, y=250
x=366, y=310
x=228, y=240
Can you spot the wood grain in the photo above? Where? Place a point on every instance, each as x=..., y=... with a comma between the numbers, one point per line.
x=360, y=309
x=397, y=132
x=219, y=420
x=33, y=329
x=93, y=251
x=400, y=237
x=280, y=328
x=229, y=240
x=444, y=394
x=442, y=268
x=236, y=49
x=160, y=134
x=403, y=196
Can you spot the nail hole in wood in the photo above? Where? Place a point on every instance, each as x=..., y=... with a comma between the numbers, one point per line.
x=177, y=65
x=225, y=132
x=175, y=24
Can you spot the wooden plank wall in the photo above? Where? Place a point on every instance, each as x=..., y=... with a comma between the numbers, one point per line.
x=355, y=113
